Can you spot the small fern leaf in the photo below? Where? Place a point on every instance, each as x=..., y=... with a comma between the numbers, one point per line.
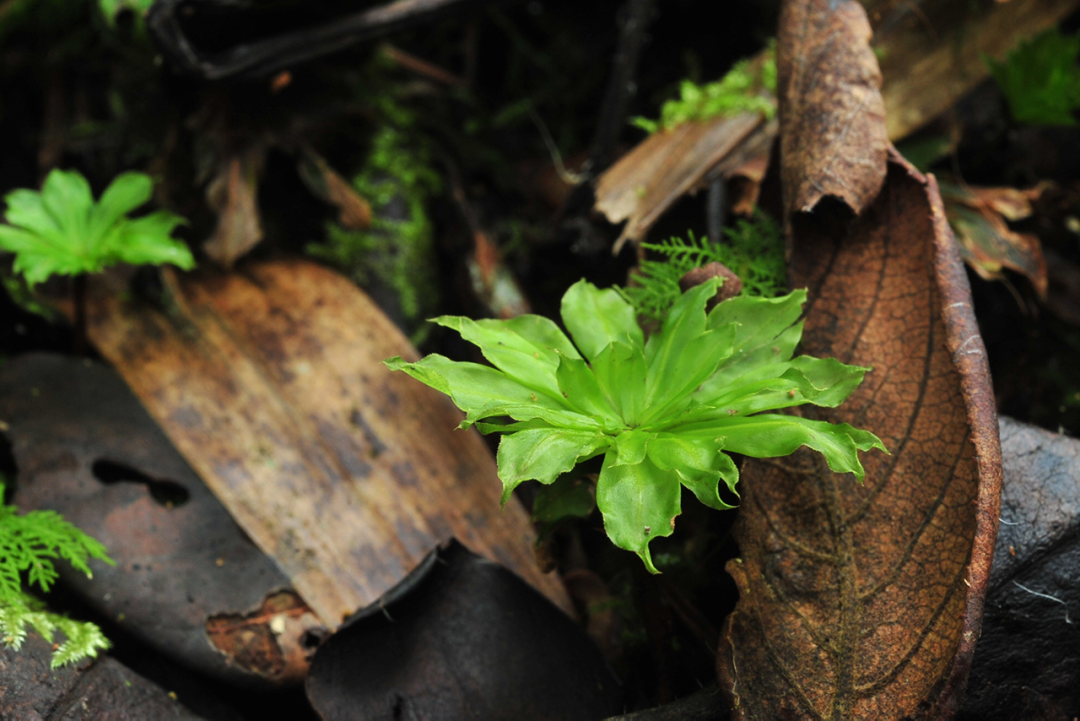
x=81, y=638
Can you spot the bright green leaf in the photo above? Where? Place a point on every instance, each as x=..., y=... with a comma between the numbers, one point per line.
x=630, y=447
x=620, y=371
x=772, y=436
x=544, y=454
x=127, y=192
x=639, y=503
x=597, y=318
x=62, y=231
x=666, y=351
x=582, y=391
x=700, y=464
x=521, y=359
x=484, y=392
x=705, y=484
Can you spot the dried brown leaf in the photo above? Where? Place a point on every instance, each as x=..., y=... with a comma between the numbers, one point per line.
x=987, y=244
x=354, y=212
x=492, y=282
x=864, y=600
x=271, y=385
x=669, y=164
x=233, y=195
x=832, y=119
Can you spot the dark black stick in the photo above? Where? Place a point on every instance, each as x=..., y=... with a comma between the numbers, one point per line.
x=622, y=86
x=78, y=295
x=265, y=57
x=715, y=205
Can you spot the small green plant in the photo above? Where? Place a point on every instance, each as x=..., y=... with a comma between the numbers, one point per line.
x=754, y=251
x=1041, y=79
x=740, y=91
x=62, y=231
x=28, y=544
x=664, y=413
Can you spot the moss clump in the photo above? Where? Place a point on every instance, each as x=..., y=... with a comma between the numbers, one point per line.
x=754, y=251
x=740, y=91
x=1040, y=79
x=396, y=253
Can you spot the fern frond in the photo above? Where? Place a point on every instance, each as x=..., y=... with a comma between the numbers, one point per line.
x=82, y=639
x=30, y=542
x=753, y=249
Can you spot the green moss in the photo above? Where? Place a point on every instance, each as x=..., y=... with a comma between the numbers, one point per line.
x=397, y=251
x=754, y=251
x=740, y=91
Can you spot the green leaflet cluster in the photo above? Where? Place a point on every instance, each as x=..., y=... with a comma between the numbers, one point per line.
x=28, y=544
x=664, y=413
x=62, y=231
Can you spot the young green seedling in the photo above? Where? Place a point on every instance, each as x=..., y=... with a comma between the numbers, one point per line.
x=664, y=413
x=62, y=231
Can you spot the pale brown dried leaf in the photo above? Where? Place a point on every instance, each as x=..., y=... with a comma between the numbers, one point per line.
x=669, y=164
x=233, y=195
x=354, y=212
x=987, y=244
x=832, y=119
x=864, y=600
x=270, y=382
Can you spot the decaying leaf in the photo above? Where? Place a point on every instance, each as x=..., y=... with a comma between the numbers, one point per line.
x=746, y=181
x=667, y=165
x=85, y=447
x=233, y=194
x=270, y=383
x=832, y=119
x=354, y=212
x=864, y=600
x=987, y=244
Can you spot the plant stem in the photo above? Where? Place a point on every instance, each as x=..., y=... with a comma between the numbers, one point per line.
x=78, y=291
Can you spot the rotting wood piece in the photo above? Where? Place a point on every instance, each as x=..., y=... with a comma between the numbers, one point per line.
x=270, y=383
x=86, y=448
